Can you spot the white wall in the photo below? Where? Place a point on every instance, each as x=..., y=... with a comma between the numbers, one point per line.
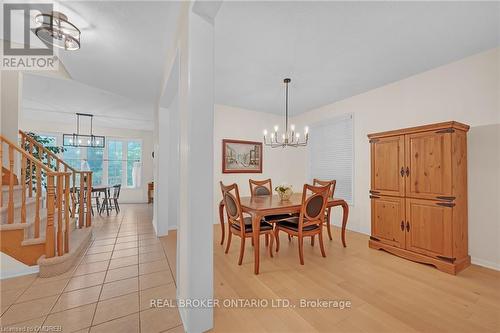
x=279, y=164
x=466, y=91
x=127, y=195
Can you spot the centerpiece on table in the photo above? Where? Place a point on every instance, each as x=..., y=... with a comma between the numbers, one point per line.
x=284, y=191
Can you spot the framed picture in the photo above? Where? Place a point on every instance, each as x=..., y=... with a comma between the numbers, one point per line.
x=241, y=156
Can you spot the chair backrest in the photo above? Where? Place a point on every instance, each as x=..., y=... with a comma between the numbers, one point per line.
x=261, y=187
x=331, y=183
x=231, y=199
x=116, y=191
x=314, y=201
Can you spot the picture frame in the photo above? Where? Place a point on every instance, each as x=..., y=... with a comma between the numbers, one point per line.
x=239, y=156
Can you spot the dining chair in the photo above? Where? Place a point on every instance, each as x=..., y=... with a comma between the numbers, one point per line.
x=238, y=224
x=116, y=196
x=332, y=184
x=310, y=221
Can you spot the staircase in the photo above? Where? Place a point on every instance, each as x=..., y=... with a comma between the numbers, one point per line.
x=38, y=206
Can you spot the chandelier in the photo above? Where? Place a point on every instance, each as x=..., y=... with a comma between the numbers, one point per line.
x=83, y=140
x=289, y=138
x=55, y=29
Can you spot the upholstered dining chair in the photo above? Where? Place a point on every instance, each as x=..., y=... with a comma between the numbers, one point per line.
x=241, y=225
x=332, y=184
x=310, y=221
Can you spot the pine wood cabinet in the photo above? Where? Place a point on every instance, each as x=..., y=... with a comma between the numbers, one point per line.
x=419, y=194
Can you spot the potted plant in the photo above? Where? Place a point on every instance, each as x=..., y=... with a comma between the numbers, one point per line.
x=284, y=191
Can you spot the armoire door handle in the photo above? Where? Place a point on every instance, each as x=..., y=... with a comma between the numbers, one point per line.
x=407, y=171
x=407, y=226
x=402, y=225
x=402, y=172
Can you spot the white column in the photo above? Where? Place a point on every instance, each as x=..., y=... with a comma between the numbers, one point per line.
x=195, y=230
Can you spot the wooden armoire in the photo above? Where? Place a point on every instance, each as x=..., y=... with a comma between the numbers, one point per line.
x=419, y=194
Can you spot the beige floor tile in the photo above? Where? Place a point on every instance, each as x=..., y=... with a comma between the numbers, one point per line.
x=116, y=307
x=85, y=281
x=154, y=256
x=28, y=310
x=93, y=267
x=73, y=319
x=126, y=245
x=105, y=235
x=60, y=278
x=154, y=279
x=147, y=236
x=85, y=330
x=126, y=239
x=31, y=325
x=43, y=290
x=153, y=266
x=159, y=319
x=77, y=298
x=17, y=282
x=151, y=248
x=119, y=288
x=101, y=242
x=164, y=292
x=122, y=273
x=8, y=297
x=127, y=324
x=100, y=249
x=122, y=262
x=124, y=253
x=177, y=329
x=149, y=242
x=96, y=257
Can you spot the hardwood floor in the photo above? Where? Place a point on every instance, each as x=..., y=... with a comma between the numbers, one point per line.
x=388, y=294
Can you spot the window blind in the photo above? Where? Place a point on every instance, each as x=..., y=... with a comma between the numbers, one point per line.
x=331, y=154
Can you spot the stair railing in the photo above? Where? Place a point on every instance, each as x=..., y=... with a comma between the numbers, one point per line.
x=79, y=199
x=57, y=191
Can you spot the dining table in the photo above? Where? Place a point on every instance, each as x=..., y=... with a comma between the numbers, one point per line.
x=259, y=207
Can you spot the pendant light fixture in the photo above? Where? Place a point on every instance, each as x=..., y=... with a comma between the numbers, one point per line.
x=83, y=140
x=289, y=138
x=55, y=29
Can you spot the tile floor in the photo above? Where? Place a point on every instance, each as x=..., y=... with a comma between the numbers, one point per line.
x=110, y=289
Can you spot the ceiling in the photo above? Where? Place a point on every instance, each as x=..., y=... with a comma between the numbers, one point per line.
x=118, y=72
x=334, y=50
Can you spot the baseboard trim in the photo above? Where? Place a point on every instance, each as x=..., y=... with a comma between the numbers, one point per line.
x=486, y=264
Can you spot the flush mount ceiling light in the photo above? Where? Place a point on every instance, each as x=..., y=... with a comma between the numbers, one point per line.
x=83, y=140
x=56, y=30
x=289, y=138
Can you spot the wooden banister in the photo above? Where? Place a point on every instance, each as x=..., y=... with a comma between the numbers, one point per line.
x=57, y=183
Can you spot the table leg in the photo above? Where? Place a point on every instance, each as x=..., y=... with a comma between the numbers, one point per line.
x=256, y=245
x=107, y=195
x=221, y=217
x=345, y=209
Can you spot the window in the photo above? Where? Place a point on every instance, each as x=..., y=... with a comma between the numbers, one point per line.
x=95, y=159
x=134, y=152
x=331, y=154
x=115, y=157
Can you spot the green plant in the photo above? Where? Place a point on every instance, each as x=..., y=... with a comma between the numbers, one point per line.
x=283, y=188
x=42, y=156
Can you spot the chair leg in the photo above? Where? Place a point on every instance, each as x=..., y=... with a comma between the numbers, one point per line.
x=321, y=244
x=267, y=239
x=312, y=240
x=242, y=250
x=328, y=226
x=271, y=240
x=277, y=237
x=117, y=207
x=301, y=250
x=289, y=238
x=229, y=241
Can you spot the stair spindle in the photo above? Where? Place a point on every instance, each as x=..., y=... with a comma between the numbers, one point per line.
x=49, y=233
x=66, y=212
x=38, y=195
x=59, y=197
x=23, y=189
x=81, y=205
x=89, y=199
x=10, y=207
x=31, y=166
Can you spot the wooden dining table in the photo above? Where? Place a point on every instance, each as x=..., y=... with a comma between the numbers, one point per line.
x=265, y=205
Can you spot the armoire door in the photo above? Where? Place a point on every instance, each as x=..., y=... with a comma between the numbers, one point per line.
x=388, y=220
x=428, y=165
x=429, y=227
x=387, y=166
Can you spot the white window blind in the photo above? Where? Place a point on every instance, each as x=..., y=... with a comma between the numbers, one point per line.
x=331, y=154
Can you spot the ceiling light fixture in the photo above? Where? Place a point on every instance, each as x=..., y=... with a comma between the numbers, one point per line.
x=83, y=140
x=56, y=30
x=289, y=138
